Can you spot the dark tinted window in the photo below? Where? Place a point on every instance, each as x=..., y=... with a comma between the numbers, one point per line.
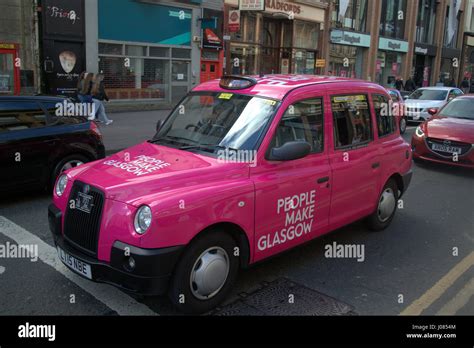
x=20, y=115
x=61, y=113
x=302, y=121
x=384, y=116
x=352, y=123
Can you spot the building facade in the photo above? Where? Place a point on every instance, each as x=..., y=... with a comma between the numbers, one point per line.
x=381, y=40
x=19, y=54
x=285, y=37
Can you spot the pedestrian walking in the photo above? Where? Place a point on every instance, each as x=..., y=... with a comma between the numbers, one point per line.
x=399, y=83
x=98, y=96
x=465, y=85
x=410, y=85
x=84, y=87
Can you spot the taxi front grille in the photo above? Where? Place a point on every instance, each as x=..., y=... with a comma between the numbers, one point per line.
x=81, y=227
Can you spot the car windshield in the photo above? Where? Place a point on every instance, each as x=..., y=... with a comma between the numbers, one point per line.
x=459, y=108
x=428, y=94
x=214, y=121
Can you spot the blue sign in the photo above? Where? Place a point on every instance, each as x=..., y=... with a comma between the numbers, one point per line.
x=128, y=20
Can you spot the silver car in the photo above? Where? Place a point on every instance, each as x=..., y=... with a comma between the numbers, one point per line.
x=424, y=102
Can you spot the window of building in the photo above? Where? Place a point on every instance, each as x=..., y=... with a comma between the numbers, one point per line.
x=354, y=16
x=337, y=55
x=451, y=29
x=302, y=121
x=392, y=20
x=426, y=20
x=306, y=34
x=384, y=115
x=352, y=121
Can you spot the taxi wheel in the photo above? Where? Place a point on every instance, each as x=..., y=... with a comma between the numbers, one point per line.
x=205, y=274
x=386, y=207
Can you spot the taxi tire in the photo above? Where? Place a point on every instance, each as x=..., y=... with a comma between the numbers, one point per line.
x=180, y=282
x=373, y=220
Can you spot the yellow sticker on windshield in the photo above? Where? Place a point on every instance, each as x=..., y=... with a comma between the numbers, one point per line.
x=225, y=96
x=270, y=102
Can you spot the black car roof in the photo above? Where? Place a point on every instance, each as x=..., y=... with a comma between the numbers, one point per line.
x=44, y=98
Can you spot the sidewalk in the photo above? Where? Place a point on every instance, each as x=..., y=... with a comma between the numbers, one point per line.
x=130, y=128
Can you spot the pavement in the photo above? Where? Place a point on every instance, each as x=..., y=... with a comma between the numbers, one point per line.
x=422, y=264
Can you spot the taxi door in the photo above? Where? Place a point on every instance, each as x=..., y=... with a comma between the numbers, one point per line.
x=293, y=197
x=355, y=160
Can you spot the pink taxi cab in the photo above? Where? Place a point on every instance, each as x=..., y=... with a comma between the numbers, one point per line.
x=242, y=169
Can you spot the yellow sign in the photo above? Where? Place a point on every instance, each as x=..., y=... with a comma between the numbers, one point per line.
x=226, y=96
x=320, y=63
x=7, y=46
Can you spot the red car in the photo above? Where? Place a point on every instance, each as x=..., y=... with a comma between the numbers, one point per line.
x=448, y=137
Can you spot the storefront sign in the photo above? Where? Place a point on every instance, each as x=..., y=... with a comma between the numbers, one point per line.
x=6, y=46
x=320, y=63
x=450, y=53
x=252, y=5
x=426, y=50
x=341, y=37
x=393, y=45
x=283, y=6
x=234, y=21
x=63, y=17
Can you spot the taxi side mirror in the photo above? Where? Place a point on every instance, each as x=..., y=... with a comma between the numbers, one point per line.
x=289, y=151
x=159, y=124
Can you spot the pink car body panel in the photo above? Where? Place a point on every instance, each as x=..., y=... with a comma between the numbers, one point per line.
x=190, y=192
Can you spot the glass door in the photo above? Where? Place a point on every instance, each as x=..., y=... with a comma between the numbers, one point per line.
x=7, y=72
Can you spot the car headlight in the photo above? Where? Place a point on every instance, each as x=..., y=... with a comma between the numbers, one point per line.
x=419, y=132
x=142, y=219
x=61, y=185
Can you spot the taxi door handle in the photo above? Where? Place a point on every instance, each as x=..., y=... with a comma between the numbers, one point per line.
x=323, y=180
x=375, y=165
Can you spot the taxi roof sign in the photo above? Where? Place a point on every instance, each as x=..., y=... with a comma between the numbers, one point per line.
x=236, y=82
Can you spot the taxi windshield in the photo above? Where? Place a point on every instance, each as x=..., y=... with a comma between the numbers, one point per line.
x=210, y=122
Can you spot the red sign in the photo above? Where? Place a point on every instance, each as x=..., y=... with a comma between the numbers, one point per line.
x=234, y=21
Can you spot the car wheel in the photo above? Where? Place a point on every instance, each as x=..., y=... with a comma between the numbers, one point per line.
x=403, y=125
x=66, y=163
x=205, y=274
x=386, y=207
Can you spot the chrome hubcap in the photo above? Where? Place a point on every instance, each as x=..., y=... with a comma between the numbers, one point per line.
x=387, y=204
x=209, y=273
x=71, y=164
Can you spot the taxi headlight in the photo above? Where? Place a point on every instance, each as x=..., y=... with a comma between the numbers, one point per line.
x=61, y=185
x=142, y=219
x=419, y=132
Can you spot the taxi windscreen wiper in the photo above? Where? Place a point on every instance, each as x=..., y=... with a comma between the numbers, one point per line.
x=167, y=138
x=207, y=147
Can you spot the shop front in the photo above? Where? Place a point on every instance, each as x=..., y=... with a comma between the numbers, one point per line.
x=423, y=60
x=146, y=63
x=212, y=52
x=450, y=61
x=389, y=60
x=282, y=39
x=9, y=69
x=346, y=53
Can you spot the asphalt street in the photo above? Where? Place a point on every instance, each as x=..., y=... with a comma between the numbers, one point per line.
x=422, y=264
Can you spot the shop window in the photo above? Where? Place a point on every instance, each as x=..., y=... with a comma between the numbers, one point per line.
x=302, y=121
x=426, y=20
x=159, y=52
x=306, y=35
x=350, y=14
x=451, y=29
x=352, y=121
x=392, y=21
x=181, y=53
x=108, y=48
x=383, y=114
x=137, y=51
x=352, y=67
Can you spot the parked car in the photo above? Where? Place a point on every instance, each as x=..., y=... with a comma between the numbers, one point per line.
x=449, y=136
x=36, y=145
x=418, y=103
x=399, y=108
x=244, y=168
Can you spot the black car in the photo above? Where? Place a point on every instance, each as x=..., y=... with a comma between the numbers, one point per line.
x=37, y=142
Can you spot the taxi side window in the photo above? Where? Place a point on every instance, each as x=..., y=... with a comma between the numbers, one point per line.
x=385, y=119
x=302, y=121
x=20, y=115
x=351, y=120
